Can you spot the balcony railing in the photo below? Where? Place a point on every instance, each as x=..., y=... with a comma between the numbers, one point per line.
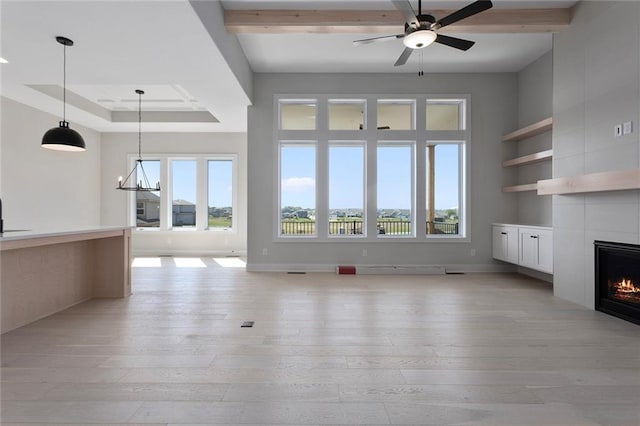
x=354, y=227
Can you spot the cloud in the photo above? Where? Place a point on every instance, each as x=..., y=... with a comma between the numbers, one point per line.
x=298, y=184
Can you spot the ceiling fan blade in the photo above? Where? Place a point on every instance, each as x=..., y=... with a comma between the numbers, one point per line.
x=404, y=56
x=458, y=43
x=465, y=12
x=407, y=11
x=376, y=39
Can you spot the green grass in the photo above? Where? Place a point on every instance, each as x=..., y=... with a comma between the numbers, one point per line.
x=219, y=222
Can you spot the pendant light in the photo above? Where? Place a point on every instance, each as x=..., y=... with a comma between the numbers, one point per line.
x=138, y=170
x=63, y=138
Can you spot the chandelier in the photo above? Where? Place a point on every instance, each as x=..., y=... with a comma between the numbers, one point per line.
x=142, y=184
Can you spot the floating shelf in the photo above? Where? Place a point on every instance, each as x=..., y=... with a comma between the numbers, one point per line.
x=593, y=182
x=529, y=159
x=529, y=131
x=520, y=188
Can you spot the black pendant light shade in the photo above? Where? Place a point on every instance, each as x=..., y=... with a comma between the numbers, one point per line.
x=63, y=138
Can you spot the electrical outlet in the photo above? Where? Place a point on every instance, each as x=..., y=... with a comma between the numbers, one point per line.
x=472, y=252
x=264, y=252
x=364, y=252
x=627, y=127
x=617, y=130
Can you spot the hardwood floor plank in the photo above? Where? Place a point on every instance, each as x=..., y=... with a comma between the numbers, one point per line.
x=481, y=349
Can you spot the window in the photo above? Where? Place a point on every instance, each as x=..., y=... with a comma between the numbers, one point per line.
x=445, y=114
x=374, y=169
x=395, y=190
x=148, y=203
x=297, y=189
x=220, y=194
x=346, y=189
x=183, y=190
x=346, y=115
x=444, y=167
x=298, y=115
x=396, y=114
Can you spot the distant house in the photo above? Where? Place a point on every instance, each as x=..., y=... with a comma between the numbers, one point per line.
x=184, y=213
x=147, y=208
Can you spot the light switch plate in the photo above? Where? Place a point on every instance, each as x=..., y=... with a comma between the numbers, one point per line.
x=617, y=130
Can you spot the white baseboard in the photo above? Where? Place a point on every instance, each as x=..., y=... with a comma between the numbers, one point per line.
x=382, y=269
x=188, y=253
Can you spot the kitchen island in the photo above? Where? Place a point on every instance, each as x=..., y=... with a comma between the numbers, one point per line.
x=45, y=272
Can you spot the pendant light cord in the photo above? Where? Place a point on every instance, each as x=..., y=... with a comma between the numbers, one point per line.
x=64, y=84
x=140, y=126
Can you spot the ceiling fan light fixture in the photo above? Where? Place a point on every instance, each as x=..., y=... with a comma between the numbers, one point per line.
x=419, y=39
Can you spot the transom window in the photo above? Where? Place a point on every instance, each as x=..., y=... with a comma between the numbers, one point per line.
x=343, y=161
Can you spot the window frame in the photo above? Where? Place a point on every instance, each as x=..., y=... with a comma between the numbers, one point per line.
x=365, y=221
x=300, y=143
x=412, y=175
x=462, y=209
x=372, y=136
x=166, y=194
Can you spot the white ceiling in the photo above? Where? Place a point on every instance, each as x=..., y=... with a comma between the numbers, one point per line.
x=336, y=52
x=162, y=47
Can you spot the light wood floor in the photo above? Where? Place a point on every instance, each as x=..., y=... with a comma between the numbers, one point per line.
x=481, y=349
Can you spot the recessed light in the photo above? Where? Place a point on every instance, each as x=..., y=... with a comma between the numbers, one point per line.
x=3, y=61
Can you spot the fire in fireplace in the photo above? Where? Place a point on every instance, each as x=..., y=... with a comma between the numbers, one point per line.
x=617, y=274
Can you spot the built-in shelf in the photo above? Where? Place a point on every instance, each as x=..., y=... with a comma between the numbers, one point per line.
x=593, y=182
x=534, y=129
x=529, y=159
x=529, y=131
x=520, y=188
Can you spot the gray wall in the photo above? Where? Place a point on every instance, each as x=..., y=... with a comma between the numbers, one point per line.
x=493, y=113
x=596, y=85
x=115, y=149
x=46, y=190
x=535, y=102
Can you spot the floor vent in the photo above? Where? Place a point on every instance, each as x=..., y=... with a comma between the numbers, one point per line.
x=296, y=273
x=247, y=324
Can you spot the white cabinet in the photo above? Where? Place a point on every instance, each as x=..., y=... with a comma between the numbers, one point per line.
x=528, y=246
x=505, y=243
x=536, y=249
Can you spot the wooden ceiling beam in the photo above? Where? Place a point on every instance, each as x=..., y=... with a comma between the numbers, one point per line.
x=390, y=21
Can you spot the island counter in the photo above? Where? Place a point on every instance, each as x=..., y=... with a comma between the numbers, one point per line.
x=45, y=272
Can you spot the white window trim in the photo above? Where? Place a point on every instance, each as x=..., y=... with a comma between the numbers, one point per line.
x=278, y=216
x=365, y=221
x=201, y=192
x=321, y=135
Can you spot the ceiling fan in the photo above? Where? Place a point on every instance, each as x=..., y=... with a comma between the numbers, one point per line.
x=422, y=30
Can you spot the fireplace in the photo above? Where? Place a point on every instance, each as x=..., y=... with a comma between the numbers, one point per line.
x=618, y=280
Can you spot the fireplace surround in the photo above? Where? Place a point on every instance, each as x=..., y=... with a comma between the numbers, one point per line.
x=617, y=279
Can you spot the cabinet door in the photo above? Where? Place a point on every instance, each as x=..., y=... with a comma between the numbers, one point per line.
x=505, y=243
x=536, y=249
x=528, y=248
x=545, y=251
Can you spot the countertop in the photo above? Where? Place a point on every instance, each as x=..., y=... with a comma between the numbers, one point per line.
x=19, y=239
x=523, y=225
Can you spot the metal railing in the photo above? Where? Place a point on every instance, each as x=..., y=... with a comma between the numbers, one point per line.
x=354, y=227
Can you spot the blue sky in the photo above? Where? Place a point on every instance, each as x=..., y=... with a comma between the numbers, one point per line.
x=346, y=166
